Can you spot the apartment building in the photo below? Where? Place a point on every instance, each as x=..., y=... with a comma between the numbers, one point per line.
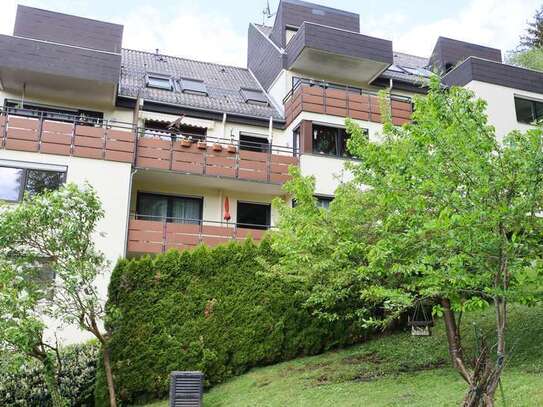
x=183, y=152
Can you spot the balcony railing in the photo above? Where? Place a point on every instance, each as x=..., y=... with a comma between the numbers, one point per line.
x=148, y=234
x=322, y=97
x=117, y=141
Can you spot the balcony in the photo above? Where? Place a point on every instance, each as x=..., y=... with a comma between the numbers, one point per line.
x=158, y=236
x=115, y=141
x=341, y=100
x=336, y=53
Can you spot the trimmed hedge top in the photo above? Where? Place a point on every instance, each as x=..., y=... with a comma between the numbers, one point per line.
x=212, y=310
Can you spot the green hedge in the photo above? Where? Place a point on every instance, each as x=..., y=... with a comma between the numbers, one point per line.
x=26, y=387
x=208, y=309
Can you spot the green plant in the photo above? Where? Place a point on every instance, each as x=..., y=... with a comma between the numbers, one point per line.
x=440, y=212
x=51, y=231
x=207, y=309
x=25, y=386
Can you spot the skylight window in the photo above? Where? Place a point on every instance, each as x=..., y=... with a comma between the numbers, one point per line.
x=254, y=96
x=418, y=71
x=159, y=82
x=193, y=86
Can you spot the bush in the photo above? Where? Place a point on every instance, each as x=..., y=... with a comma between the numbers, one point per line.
x=26, y=386
x=208, y=309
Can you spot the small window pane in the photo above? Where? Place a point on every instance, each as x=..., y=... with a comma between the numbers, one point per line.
x=159, y=82
x=524, y=110
x=38, y=181
x=193, y=86
x=343, y=137
x=152, y=207
x=253, y=143
x=324, y=201
x=11, y=183
x=324, y=140
x=186, y=210
x=253, y=215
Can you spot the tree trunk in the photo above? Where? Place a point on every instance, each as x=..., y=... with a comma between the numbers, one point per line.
x=52, y=385
x=453, y=339
x=109, y=376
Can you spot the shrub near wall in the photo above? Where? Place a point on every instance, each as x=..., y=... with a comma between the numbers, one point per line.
x=207, y=309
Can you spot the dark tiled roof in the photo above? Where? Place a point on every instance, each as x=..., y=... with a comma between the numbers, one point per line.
x=410, y=61
x=223, y=84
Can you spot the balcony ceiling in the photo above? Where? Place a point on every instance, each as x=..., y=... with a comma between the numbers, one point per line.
x=342, y=68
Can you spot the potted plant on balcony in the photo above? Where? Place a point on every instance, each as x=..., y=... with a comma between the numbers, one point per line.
x=186, y=142
x=232, y=148
x=217, y=147
x=202, y=145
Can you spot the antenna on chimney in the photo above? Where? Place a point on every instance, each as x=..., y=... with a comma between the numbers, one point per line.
x=266, y=13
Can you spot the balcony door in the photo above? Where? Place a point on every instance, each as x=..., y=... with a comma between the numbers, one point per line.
x=169, y=208
x=252, y=215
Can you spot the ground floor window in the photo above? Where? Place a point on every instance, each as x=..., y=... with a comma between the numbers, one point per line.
x=324, y=201
x=170, y=208
x=253, y=215
x=16, y=182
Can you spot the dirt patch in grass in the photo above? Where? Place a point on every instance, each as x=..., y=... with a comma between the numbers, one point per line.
x=372, y=357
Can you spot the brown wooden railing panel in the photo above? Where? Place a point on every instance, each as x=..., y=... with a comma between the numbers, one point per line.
x=106, y=141
x=145, y=236
x=344, y=102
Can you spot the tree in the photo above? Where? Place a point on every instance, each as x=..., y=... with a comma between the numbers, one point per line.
x=439, y=211
x=22, y=324
x=529, y=58
x=534, y=36
x=57, y=227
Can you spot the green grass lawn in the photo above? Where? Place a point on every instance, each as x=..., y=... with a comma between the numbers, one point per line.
x=392, y=370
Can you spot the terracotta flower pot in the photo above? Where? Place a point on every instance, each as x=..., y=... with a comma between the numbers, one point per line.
x=232, y=149
x=217, y=147
x=186, y=143
x=202, y=145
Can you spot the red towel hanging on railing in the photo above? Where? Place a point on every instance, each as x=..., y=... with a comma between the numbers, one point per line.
x=226, y=209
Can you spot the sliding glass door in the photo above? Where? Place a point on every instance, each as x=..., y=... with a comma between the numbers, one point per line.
x=175, y=209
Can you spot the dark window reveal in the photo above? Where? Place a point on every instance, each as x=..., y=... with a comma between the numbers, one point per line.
x=194, y=86
x=253, y=215
x=324, y=201
x=192, y=132
x=331, y=141
x=253, y=143
x=174, y=209
x=15, y=182
x=82, y=117
x=528, y=111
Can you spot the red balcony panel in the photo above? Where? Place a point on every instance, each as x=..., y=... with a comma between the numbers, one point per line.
x=89, y=131
x=336, y=111
x=23, y=123
x=154, y=143
x=22, y=145
x=224, y=231
x=187, y=228
x=117, y=145
x=149, y=152
x=120, y=135
x=284, y=159
x=58, y=149
x=119, y=156
x=279, y=178
x=214, y=240
x=243, y=233
x=189, y=168
x=56, y=138
x=144, y=247
x=152, y=163
x=57, y=127
x=253, y=175
x=22, y=134
x=89, y=141
x=88, y=152
x=253, y=165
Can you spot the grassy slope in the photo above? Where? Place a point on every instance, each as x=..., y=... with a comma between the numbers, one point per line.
x=394, y=370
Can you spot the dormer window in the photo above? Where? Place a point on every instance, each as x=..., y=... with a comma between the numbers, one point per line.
x=158, y=81
x=193, y=86
x=253, y=96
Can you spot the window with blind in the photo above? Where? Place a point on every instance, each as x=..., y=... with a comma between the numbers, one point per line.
x=169, y=208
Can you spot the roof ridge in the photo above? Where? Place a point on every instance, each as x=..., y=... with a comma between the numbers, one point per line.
x=185, y=59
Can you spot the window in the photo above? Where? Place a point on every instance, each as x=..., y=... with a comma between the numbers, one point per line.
x=253, y=215
x=15, y=182
x=159, y=81
x=253, y=143
x=53, y=112
x=254, y=96
x=331, y=140
x=194, y=86
x=174, y=209
x=528, y=111
x=324, y=201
